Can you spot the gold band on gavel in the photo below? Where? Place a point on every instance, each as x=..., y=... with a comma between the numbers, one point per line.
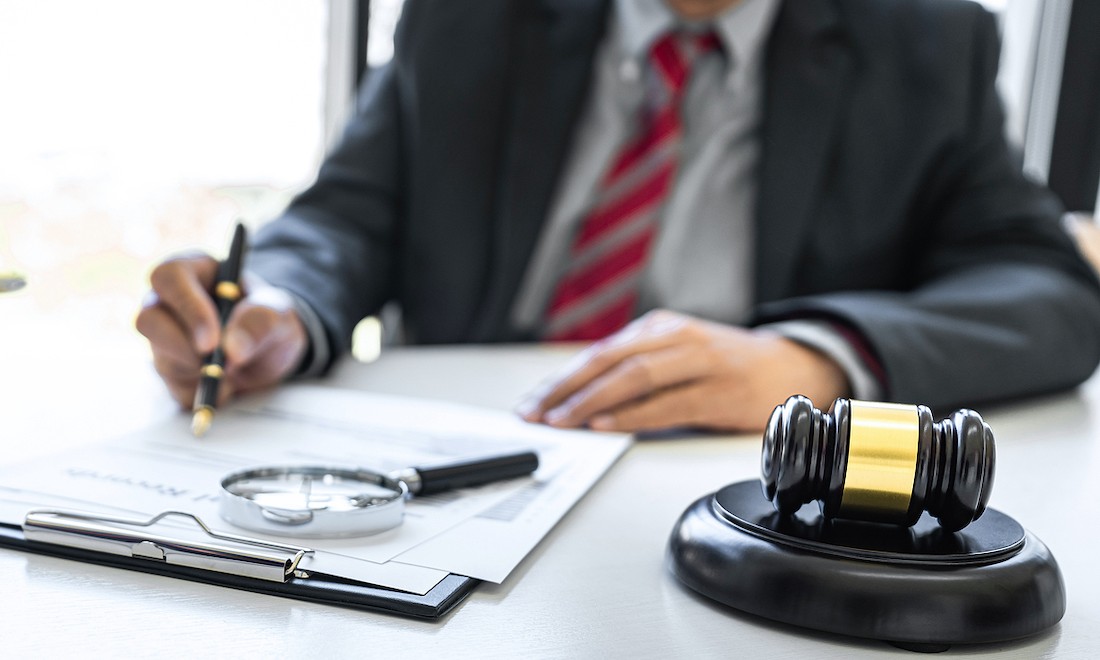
x=882, y=461
x=227, y=290
x=212, y=371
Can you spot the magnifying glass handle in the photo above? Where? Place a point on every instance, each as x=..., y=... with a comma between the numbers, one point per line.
x=473, y=473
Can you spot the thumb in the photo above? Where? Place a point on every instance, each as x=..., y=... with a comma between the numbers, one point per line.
x=264, y=339
x=256, y=321
x=244, y=333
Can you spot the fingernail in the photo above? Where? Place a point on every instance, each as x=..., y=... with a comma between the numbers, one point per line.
x=557, y=416
x=238, y=344
x=528, y=410
x=602, y=423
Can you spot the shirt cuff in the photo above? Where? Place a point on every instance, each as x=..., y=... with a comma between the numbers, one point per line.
x=317, y=356
x=825, y=337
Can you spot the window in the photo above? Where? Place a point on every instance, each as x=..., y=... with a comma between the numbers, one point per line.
x=134, y=129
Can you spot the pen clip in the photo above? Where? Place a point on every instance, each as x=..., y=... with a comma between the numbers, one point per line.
x=265, y=560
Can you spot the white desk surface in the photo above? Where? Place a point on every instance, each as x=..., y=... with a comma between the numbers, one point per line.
x=597, y=586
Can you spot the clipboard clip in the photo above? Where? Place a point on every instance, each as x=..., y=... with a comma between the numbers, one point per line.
x=255, y=558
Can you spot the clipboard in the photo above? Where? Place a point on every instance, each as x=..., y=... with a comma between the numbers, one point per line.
x=228, y=561
x=160, y=468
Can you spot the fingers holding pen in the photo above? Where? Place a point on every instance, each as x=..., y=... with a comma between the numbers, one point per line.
x=182, y=288
x=170, y=318
x=173, y=348
x=264, y=340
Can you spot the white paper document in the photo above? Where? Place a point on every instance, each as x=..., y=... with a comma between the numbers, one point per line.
x=481, y=532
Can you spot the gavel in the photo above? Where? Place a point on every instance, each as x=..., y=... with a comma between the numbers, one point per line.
x=878, y=462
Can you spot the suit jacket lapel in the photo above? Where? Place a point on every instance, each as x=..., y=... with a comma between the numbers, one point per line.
x=553, y=46
x=807, y=72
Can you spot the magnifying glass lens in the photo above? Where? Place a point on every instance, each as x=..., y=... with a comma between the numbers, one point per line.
x=324, y=501
x=330, y=493
x=312, y=501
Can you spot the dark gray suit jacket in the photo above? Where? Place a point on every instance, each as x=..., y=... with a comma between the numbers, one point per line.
x=889, y=201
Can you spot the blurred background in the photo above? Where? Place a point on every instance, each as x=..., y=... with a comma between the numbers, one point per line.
x=130, y=130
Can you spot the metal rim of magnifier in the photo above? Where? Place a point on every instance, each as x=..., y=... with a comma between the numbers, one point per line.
x=372, y=515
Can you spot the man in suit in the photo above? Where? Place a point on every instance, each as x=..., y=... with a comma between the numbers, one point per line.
x=806, y=197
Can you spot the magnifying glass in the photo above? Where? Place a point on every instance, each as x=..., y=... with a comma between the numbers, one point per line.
x=315, y=501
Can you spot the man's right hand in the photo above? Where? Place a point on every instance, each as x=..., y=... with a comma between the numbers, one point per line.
x=264, y=340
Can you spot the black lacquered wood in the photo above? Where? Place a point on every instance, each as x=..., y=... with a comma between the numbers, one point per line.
x=918, y=587
x=993, y=538
x=804, y=459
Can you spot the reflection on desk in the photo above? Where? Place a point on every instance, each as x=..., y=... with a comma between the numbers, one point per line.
x=596, y=586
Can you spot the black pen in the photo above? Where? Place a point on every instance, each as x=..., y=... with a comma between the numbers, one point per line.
x=227, y=291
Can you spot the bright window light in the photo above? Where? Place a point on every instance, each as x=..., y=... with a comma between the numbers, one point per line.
x=135, y=129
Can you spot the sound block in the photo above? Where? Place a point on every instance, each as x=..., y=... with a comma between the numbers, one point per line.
x=919, y=587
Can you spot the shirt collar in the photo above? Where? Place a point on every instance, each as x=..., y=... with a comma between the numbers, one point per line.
x=743, y=30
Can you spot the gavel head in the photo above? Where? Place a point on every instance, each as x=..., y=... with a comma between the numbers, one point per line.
x=878, y=462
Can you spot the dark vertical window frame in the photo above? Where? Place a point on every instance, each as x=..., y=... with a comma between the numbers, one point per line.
x=1075, y=154
x=362, y=30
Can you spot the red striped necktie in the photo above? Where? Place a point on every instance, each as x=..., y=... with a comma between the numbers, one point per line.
x=598, y=290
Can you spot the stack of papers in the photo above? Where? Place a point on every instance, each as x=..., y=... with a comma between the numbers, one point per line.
x=481, y=532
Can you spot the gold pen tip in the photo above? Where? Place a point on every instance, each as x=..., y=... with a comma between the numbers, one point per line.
x=200, y=423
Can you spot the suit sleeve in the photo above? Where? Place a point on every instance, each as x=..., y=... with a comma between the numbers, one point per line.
x=336, y=247
x=1002, y=305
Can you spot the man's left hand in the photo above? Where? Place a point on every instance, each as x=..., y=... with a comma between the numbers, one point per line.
x=668, y=370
